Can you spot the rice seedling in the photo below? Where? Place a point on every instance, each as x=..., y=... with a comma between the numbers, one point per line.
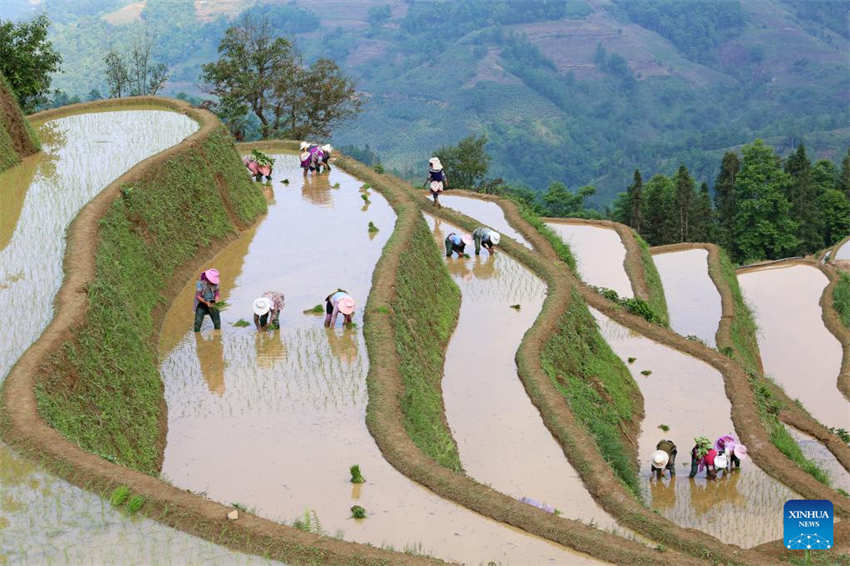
x=356, y=476
x=632, y=359
x=646, y=372
x=318, y=309
x=516, y=306
x=372, y=227
x=365, y=198
x=135, y=503
x=365, y=187
x=358, y=512
x=119, y=495
x=285, y=182
x=664, y=427
x=335, y=186
x=241, y=323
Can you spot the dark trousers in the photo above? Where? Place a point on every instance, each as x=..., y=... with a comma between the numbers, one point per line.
x=202, y=310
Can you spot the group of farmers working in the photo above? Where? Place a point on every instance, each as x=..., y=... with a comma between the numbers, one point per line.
x=725, y=455
x=315, y=158
x=266, y=308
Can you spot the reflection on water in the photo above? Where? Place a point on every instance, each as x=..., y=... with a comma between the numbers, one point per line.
x=210, y=353
x=501, y=437
x=316, y=189
x=692, y=298
x=839, y=477
x=489, y=213
x=688, y=396
x=599, y=254
x=42, y=518
x=282, y=435
x=843, y=252
x=796, y=348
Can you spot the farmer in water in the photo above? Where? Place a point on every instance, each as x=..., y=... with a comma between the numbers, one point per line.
x=732, y=449
x=702, y=456
x=664, y=458
x=267, y=310
x=486, y=237
x=206, y=296
x=338, y=302
x=456, y=244
x=305, y=157
x=324, y=157
x=437, y=180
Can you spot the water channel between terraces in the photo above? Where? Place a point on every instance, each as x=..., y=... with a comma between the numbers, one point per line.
x=501, y=437
x=692, y=298
x=797, y=350
x=273, y=420
x=44, y=519
x=687, y=396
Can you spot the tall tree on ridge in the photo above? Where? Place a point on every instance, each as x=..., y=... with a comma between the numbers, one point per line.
x=635, y=209
x=701, y=228
x=683, y=196
x=658, y=212
x=724, y=199
x=844, y=176
x=803, y=195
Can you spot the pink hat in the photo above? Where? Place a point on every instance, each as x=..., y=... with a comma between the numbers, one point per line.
x=346, y=305
x=740, y=451
x=212, y=276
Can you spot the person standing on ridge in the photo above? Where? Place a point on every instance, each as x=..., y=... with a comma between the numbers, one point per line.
x=338, y=302
x=437, y=180
x=486, y=237
x=206, y=296
x=267, y=310
x=457, y=244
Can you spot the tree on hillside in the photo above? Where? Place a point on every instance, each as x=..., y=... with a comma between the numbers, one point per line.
x=635, y=203
x=763, y=226
x=466, y=163
x=27, y=59
x=835, y=209
x=658, y=212
x=136, y=74
x=683, y=197
x=701, y=225
x=724, y=199
x=558, y=200
x=803, y=194
x=117, y=75
x=844, y=176
x=263, y=72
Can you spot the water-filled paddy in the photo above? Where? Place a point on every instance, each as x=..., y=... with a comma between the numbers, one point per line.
x=490, y=213
x=818, y=453
x=273, y=421
x=599, y=254
x=797, y=350
x=42, y=518
x=843, y=252
x=501, y=438
x=687, y=396
x=692, y=299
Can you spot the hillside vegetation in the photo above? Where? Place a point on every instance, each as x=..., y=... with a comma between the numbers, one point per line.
x=17, y=138
x=577, y=91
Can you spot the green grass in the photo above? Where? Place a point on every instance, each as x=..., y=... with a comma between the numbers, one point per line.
x=657, y=301
x=598, y=387
x=743, y=328
x=424, y=312
x=119, y=495
x=841, y=298
x=102, y=388
x=562, y=249
x=8, y=155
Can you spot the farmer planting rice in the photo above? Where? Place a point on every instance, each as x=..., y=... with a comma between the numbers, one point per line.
x=457, y=244
x=323, y=157
x=733, y=451
x=305, y=157
x=338, y=302
x=267, y=310
x=486, y=237
x=206, y=295
x=664, y=458
x=437, y=180
x=703, y=456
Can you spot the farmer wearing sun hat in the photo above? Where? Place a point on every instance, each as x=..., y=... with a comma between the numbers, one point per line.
x=664, y=458
x=338, y=302
x=437, y=180
x=732, y=449
x=267, y=310
x=456, y=244
x=206, y=296
x=486, y=237
x=305, y=157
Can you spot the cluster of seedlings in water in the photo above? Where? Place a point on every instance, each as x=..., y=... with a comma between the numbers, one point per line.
x=516, y=306
x=632, y=359
x=365, y=198
x=358, y=512
x=646, y=372
x=356, y=475
x=222, y=305
x=372, y=227
x=664, y=427
x=285, y=182
x=335, y=186
x=122, y=496
x=318, y=309
x=241, y=323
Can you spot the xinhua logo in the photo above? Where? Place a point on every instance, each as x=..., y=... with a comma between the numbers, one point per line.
x=808, y=524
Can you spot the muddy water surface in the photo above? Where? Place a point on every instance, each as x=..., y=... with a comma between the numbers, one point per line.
x=692, y=298
x=839, y=477
x=274, y=420
x=843, y=252
x=490, y=213
x=687, y=396
x=500, y=435
x=796, y=348
x=599, y=254
x=42, y=518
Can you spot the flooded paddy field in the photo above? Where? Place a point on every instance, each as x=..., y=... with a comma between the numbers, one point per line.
x=273, y=420
x=686, y=396
x=797, y=350
x=43, y=519
x=489, y=213
x=843, y=253
x=501, y=438
x=599, y=254
x=693, y=301
x=818, y=453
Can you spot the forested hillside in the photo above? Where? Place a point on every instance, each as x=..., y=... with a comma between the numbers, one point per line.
x=577, y=91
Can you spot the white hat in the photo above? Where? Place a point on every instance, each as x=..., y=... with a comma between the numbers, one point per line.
x=435, y=164
x=262, y=306
x=720, y=461
x=494, y=238
x=304, y=145
x=327, y=148
x=660, y=459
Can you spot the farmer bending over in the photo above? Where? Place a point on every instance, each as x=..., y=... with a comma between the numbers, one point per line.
x=338, y=302
x=486, y=237
x=456, y=244
x=664, y=458
x=267, y=310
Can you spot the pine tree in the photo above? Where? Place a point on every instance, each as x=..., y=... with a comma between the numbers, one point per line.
x=724, y=199
x=803, y=195
x=683, y=196
x=763, y=227
x=657, y=214
x=844, y=176
x=701, y=217
x=835, y=210
x=635, y=193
